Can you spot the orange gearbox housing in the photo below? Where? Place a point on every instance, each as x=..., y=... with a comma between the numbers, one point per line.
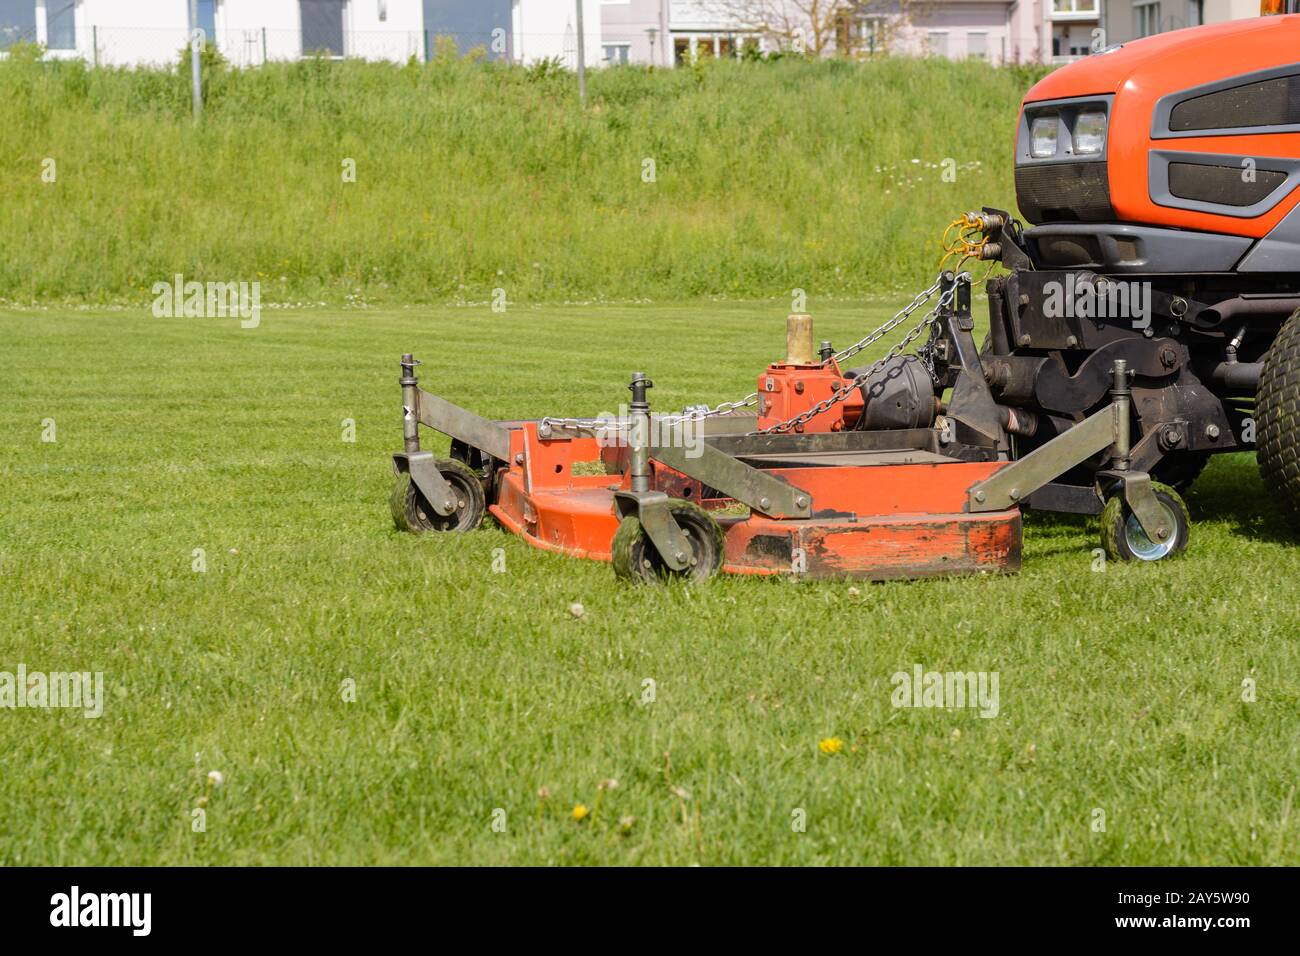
x=1138, y=74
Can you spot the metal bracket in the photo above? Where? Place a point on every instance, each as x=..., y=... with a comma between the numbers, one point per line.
x=732, y=477
x=1012, y=484
x=1142, y=501
x=474, y=430
x=425, y=476
x=651, y=509
x=972, y=405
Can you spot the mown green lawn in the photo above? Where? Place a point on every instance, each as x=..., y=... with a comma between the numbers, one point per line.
x=1120, y=690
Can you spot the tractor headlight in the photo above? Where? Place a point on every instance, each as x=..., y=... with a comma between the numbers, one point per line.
x=1090, y=133
x=1042, y=136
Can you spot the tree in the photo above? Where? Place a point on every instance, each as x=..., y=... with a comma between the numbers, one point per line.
x=819, y=27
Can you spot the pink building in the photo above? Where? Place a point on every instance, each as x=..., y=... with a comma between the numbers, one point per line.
x=665, y=32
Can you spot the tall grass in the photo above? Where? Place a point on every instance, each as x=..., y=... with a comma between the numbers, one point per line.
x=473, y=176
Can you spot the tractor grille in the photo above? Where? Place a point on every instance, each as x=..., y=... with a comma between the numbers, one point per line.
x=1221, y=185
x=1064, y=192
x=1274, y=102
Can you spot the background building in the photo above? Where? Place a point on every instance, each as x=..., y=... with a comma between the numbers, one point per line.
x=1129, y=19
x=249, y=32
x=1001, y=31
x=659, y=32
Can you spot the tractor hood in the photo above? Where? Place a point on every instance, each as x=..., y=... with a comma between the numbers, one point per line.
x=1189, y=51
x=1195, y=129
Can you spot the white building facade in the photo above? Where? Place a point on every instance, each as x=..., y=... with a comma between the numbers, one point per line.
x=250, y=32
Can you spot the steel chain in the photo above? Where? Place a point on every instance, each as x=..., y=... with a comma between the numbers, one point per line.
x=853, y=382
x=699, y=413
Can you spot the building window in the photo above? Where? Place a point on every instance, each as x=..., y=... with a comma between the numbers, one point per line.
x=1074, y=9
x=17, y=22
x=1146, y=19
x=616, y=53
x=322, y=26
x=977, y=45
x=936, y=42
x=1195, y=13
x=871, y=34
x=61, y=24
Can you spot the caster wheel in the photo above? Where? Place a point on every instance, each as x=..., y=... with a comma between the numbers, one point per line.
x=411, y=512
x=1122, y=536
x=636, y=559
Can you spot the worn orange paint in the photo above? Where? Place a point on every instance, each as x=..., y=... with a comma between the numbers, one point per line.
x=882, y=521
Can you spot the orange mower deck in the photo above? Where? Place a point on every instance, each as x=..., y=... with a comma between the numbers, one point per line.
x=890, y=520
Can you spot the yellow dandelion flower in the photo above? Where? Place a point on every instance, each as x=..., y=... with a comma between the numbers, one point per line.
x=580, y=812
x=831, y=745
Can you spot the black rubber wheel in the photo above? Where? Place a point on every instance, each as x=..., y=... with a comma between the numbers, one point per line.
x=1277, y=403
x=411, y=512
x=636, y=559
x=1122, y=536
x=1179, y=469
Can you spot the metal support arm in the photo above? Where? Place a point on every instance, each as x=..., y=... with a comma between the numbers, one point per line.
x=732, y=477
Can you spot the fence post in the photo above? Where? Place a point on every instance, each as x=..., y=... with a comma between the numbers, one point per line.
x=196, y=75
x=263, y=46
x=582, y=62
x=94, y=44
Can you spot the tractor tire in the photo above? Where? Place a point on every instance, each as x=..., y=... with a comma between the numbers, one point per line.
x=1278, y=406
x=1122, y=536
x=411, y=512
x=636, y=559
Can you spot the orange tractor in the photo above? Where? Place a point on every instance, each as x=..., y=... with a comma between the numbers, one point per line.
x=1146, y=320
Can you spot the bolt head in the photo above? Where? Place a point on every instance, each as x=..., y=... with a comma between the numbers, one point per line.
x=765, y=502
x=1162, y=533
x=980, y=496
x=1025, y=339
x=1212, y=431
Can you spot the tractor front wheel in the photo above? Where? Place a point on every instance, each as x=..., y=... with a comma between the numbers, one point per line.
x=636, y=558
x=1278, y=405
x=1122, y=536
x=411, y=512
